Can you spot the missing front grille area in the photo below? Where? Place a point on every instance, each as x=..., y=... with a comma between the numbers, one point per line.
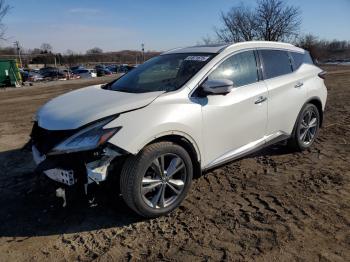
x=45, y=140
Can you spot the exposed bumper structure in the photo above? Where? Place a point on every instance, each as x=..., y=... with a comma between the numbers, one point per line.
x=82, y=168
x=97, y=170
x=72, y=174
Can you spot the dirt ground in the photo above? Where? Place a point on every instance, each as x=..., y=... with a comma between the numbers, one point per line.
x=274, y=205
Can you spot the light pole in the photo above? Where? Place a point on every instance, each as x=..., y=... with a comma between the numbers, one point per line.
x=16, y=43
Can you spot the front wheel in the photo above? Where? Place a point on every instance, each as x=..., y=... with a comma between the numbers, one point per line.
x=155, y=182
x=306, y=128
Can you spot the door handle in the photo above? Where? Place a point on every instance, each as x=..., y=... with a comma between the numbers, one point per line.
x=260, y=100
x=299, y=84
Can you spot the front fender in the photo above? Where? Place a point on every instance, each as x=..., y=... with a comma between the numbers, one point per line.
x=141, y=127
x=177, y=133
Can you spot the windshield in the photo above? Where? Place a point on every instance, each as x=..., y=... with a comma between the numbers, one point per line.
x=161, y=73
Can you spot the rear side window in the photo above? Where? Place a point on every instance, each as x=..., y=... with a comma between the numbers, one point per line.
x=275, y=63
x=240, y=68
x=301, y=58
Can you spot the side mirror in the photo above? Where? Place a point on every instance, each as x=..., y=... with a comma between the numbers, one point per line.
x=218, y=86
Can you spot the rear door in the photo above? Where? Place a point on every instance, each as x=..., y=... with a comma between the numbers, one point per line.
x=286, y=91
x=234, y=122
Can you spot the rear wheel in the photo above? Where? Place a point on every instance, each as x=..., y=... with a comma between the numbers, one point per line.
x=306, y=128
x=156, y=181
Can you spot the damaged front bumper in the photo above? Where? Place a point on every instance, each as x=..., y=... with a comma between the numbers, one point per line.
x=97, y=170
x=83, y=167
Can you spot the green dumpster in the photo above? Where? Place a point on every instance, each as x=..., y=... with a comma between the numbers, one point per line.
x=9, y=73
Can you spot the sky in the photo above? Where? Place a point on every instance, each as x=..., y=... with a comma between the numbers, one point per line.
x=160, y=24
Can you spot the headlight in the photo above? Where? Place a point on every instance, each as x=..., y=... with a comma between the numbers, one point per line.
x=86, y=139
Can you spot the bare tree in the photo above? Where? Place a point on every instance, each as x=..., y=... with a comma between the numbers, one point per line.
x=95, y=50
x=308, y=41
x=271, y=20
x=239, y=24
x=4, y=9
x=207, y=40
x=69, y=52
x=311, y=43
x=8, y=50
x=276, y=21
x=46, y=47
x=35, y=51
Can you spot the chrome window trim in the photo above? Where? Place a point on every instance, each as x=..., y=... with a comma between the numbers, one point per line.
x=278, y=49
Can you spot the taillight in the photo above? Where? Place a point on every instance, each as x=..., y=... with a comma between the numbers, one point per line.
x=322, y=74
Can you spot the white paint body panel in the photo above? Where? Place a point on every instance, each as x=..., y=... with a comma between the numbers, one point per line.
x=284, y=104
x=235, y=115
x=218, y=127
x=83, y=106
x=286, y=99
x=171, y=113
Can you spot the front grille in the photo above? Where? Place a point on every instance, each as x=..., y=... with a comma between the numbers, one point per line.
x=45, y=140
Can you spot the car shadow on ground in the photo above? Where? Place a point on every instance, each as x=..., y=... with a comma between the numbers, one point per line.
x=273, y=150
x=29, y=206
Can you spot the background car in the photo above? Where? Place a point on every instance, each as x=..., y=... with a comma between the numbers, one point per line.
x=93, y=72
x=31, y=76
x=102, y=71
x=73, y=68
x=125, y=68
x=35, y=77
x=82, y=73
x=112, y=68
x=53, y=74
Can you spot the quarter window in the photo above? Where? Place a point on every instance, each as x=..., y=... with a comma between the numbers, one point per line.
x=241, y=69
x=275, y=63
x=301, y=58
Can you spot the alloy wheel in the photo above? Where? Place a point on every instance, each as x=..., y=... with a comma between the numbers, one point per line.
x=163, y=181
x=308, y=127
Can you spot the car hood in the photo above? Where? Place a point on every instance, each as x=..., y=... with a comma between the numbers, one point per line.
x=75, y=109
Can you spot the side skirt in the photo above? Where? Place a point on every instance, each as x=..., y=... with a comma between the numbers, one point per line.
x=247, y=149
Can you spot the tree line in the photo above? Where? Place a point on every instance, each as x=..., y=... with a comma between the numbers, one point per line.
x=270, y=20
x=45, y=55
x=325, y=50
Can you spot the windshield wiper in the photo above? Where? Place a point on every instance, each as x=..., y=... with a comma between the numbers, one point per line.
x=108, y=85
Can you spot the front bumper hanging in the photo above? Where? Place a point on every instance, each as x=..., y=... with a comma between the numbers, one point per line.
x=78, y=167
x=73, y=173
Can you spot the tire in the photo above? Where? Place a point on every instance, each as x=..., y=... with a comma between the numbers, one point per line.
x=142, y=182
x=306, y=128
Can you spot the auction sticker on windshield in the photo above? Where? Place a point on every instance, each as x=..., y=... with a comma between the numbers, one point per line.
x=197, y=58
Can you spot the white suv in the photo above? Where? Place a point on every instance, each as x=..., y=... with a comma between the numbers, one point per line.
x=180, y=113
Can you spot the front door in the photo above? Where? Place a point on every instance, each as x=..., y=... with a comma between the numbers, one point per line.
x=236, y=122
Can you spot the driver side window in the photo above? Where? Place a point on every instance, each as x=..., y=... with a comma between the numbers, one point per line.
x=240, y=68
